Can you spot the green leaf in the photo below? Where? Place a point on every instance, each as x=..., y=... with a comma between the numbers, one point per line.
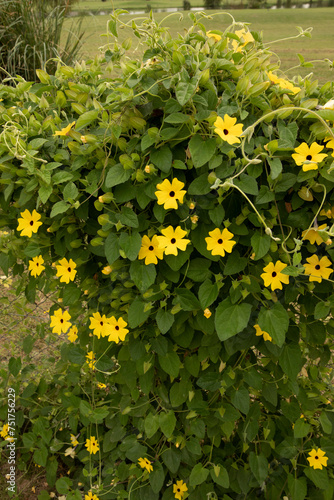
x=199, y=186
x=231, y=319
x=198, y=475
x=275, y=167
x=240, y=399
x=117, y=175
x=318, y=477
x=151, y=424
x=71, y=294
x=259, y=466
x=175, y=262
x=170, y=363
x=247, y=184
x=112, y=26
x=326, y=424
x=285, y=183
x=61, y=177
x=220, y=476
x=44, y=193
x=70, y=192
x=186, y=299
x=260, y=244
x=321, y=310
x=40, y=455
x=131, y=244
x=63, y=485
x=291, y=360
x=171, y=459
x=301, y=428
x=201, y=150
x=297, y=487
x=177, y=118
x=164, y=320
x=111, y=248
x=207, y=293
x=76, y=355
x=59, y=208
x=264, y=196
x=162, y=158
x=167, y=422
x=293, y=270
x=136, y=314
x=142, y=275
x=217, y=215
x=127, y=217
x=157, y=477
x=14, y=366
x=209, y=382
x=185, y=90
x=235, y=264
x=274, y=321
x=179, y=392
x=86, y=119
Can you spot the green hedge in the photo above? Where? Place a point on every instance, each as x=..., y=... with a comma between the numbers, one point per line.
x=182, y=210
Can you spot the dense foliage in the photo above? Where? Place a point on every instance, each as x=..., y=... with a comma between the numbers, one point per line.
x=182, y=209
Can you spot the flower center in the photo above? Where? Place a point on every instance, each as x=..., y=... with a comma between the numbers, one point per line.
x=178, y=490
x=309, y=157
x=151, y=248
x=69, y=269
x=225, y=131
x=116, y=327
x=31, y=222
x=274, y=274
x=316, y=457
x=172, y=194
x=317, y=267
x=173, y=241
x=101, y=323
x=220, y=241
x=37, y=264
x=62, y=321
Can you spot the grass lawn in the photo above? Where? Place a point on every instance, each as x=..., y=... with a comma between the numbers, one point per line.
x=275, y=24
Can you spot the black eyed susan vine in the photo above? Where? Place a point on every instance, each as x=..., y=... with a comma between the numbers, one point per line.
x=183, y=213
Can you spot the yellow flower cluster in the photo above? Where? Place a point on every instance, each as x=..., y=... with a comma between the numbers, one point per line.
x=112, y=328
x=283, y=84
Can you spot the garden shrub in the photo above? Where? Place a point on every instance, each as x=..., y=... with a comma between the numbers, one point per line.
x=183, y=210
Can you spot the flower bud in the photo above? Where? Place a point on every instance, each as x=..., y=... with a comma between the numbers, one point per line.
x=106, y=198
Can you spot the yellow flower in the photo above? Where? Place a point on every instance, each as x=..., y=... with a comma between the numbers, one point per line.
x=148, y=169
x=172, y=240
x=66, y=270
x=91, y=359
x=309, y=154
x=273, y=277
x=90, y=496
x=100, y=325
x=169, y=193
x=317, y=459
x=194, y=219
x=313, y=236
x=74, y=440
x=216, y=37
x=60, y=321
x=285, y=85
x=36, y=266
x=29, y=223
x=179, y=489
x=328, y=105
x=64, y=131
x=73, y=334
x=330, y=143
x=107, y=270
x=220, y=242
x=260, y=332
x=192, y=205
x=273, y=78
x=150, y=250
x=245, y=37
x=100, y=385
x=92, y=445
x=227, y=130
x=318, y=269
x=117, y=330
x=145, y=464
x=207, y=313
x=4, y=432
x=329, y=212
x=83, y=139
x=69, y=452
